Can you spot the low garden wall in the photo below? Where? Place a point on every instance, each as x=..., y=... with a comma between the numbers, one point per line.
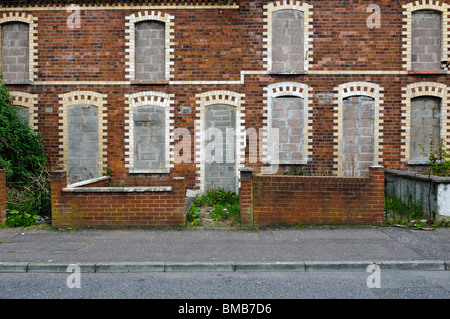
x=431, y=193
x=93, y=204
x=2, y=196
x=269, y=200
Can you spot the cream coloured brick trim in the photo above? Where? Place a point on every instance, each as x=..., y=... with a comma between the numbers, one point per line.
x=307, y=10
x=237, y=82
x=130, y=40
x=29, y=101
x=355, y=89
x=150, y=98
x=83, y=98
x=32, y=37
x=287, y=89
x=424, y=89
x=408, y=9
x=212, y=98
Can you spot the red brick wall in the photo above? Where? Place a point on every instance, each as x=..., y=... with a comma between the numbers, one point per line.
x=217, y=45
x=116, y=209
x=2, y=196
x=290, y=200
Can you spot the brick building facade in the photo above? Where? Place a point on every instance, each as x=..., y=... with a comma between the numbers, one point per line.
x=140, y=89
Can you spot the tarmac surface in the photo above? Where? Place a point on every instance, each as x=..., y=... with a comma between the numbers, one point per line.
x=305, y=249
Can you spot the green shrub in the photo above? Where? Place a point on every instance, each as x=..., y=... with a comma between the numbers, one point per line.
x=21, y=219
x=225, y=204
x=22, y=157
x=219, y=213
x=193, y=213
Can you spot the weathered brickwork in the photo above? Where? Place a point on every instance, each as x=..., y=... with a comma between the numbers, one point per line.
x=96, y=205
x=227, y=52
x=275, y=200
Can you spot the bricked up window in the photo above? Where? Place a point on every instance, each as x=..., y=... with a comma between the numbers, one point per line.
x=358, y=142
x=288, y=118
x=15, y=52
x=150, y=51
x=426, y=40
x=83, y=142
x=425, y=124
x=149, y=138
x=288, y=41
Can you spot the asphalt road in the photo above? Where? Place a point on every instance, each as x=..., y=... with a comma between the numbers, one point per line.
x=226, y=285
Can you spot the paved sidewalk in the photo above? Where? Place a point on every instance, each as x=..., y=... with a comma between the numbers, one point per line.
x=338, y=248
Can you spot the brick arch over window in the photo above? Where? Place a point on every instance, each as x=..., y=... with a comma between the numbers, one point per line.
x=142, y=99
x=358, y=89
x=31, y=21
x=29, y=101
x=83, y=98
x=130, y=41
x=418, y=90
x=307, y=44
x=214, y=98
x=287, y=89
x=433, y=5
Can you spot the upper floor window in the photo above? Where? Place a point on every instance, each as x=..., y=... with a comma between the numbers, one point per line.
x=289, y=37
x=288, y=41
x=149, y=52
x=18, y=32
x=15, y=52
x=426, y=45
x=426, y=40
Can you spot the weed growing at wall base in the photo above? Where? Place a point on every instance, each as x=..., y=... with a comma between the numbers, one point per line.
x=438, y=158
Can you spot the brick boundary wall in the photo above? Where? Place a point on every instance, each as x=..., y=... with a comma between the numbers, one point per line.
x=97, y=206
x=289, y=200
x=2, y=196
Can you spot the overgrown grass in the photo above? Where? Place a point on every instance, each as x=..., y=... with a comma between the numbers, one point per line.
x=408, y=214
x=225, y=205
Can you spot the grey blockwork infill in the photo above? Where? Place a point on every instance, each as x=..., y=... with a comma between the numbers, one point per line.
x=358, y=140
x=24, y=112
x=426, y=40
x=425, y=124
x=288, y=118
x=149, y=137
x=83, y=142
x=288, y=53
x=219, y=147
x=15, y=52
x=150, y=44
